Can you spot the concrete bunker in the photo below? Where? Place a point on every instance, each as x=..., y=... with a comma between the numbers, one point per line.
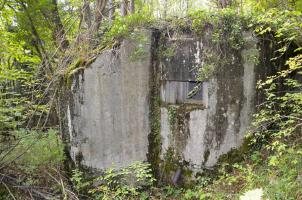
x=108, y=113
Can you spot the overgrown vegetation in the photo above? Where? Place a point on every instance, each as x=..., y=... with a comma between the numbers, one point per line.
x=45, y=43
x=128, y=182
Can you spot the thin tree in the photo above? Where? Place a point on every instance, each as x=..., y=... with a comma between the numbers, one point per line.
x=59, y=31
x=165, y=9
x=224, y=3
x=123, y=8
x=132, y=7
x=111, y=10
x=85, y=15
x=98, y=15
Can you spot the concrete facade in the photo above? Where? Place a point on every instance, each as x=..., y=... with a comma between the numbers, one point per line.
x=108, y=121
x=109, y=114
x=218, y=119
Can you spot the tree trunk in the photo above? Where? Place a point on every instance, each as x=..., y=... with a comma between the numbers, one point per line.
x=224, y=3
x=52, y=16
x=111, y=10
x=99, y=10
x=123, y=8
x=132, y=8
x=59, y=32
x=86, y=15
x=165, y=8
x=37, y=41
x=85, y=23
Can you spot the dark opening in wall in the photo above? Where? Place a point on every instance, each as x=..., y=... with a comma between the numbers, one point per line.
x=179, y=92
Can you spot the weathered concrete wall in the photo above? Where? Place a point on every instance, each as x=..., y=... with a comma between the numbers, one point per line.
x=217, y=120
x=109, y=114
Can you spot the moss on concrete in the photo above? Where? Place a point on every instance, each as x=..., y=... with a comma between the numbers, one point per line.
x=154, y=137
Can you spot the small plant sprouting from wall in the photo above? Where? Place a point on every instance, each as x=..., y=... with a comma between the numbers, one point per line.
x=140, y=51
x=252, y=56
x=167, y=52
x=205, y=72
x=172, y=117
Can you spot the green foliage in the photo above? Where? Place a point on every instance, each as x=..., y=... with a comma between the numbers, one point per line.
x=205, y=72
x=78, y=181
x=172, y=116
x=17, y=69
x=224, y=30
x=154, y=137
x=170, y=164
x=279, y=177
x=279, y=118
x=124, y=183
x=123, y=27
x=262, y=6
x=227, y=26
x=167, y=52
x=129, y=27
x=283, y=25
x=139, y=51
x=114, y=183
x=32, y=159
x=31, y=153
x=202, y=19
x=29, y=150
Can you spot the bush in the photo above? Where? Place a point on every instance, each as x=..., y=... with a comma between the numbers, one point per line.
x=125, y=183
